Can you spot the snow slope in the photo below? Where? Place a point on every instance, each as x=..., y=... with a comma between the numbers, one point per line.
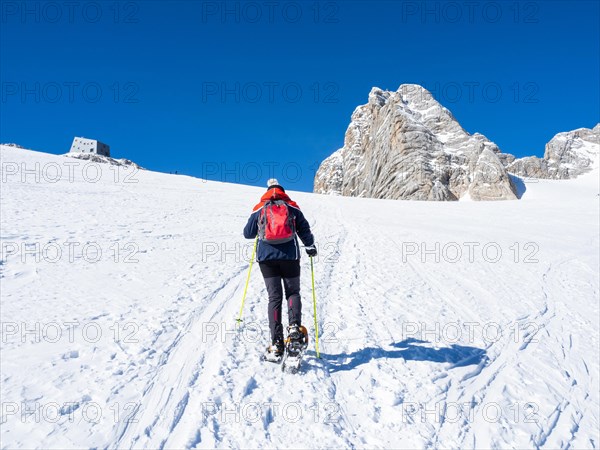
x=443, y=325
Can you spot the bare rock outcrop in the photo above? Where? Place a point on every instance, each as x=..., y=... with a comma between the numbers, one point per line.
x=405, y=145
x=567, y=155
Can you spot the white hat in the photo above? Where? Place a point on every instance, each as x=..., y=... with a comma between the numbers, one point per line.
x=272, y=182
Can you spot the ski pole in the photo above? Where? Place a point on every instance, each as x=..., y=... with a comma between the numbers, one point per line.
x=247, y=280
x=312, y=271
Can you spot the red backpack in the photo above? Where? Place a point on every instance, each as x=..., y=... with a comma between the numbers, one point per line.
x=275, y=224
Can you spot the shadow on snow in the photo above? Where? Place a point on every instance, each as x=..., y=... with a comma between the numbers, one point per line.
x=409, y=350
x=519, y=185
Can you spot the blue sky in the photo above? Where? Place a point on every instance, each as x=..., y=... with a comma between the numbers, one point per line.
x=241, y=91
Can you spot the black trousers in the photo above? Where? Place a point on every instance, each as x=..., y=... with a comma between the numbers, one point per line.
x=274, y=273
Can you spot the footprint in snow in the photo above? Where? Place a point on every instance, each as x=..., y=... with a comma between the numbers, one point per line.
x=71, y=355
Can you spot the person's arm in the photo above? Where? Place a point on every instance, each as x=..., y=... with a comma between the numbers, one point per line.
x=251, y=228
x=303, y=229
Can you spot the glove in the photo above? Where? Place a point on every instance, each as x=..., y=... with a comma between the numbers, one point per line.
x=311, y=250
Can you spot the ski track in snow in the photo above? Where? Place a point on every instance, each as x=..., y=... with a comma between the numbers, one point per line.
x=387, y=376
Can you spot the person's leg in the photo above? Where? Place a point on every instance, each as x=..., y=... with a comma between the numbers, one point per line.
x=292, y=294
x=275, y=293
x=291, y=283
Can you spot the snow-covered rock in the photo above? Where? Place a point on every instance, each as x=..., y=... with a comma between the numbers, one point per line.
x=12, y=144
x=405, y=145
x=567, y=155
x=93, y=157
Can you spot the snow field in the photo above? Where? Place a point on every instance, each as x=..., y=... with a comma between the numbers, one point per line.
x=465, y=324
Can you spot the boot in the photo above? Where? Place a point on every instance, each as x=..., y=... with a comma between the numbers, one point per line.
x=276, y=348
x=297, y=336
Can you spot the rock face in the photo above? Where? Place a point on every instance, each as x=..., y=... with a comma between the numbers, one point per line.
x=567, y=155
x=405, y=145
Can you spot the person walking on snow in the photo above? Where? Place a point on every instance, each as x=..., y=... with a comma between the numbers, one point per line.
x=278, y=221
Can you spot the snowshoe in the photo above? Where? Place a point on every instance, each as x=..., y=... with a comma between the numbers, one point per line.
x=297, y=337
x=295, y=344
x=274, y=352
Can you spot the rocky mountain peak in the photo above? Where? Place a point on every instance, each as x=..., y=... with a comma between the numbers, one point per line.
x=567, y=155
x=406, y=145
